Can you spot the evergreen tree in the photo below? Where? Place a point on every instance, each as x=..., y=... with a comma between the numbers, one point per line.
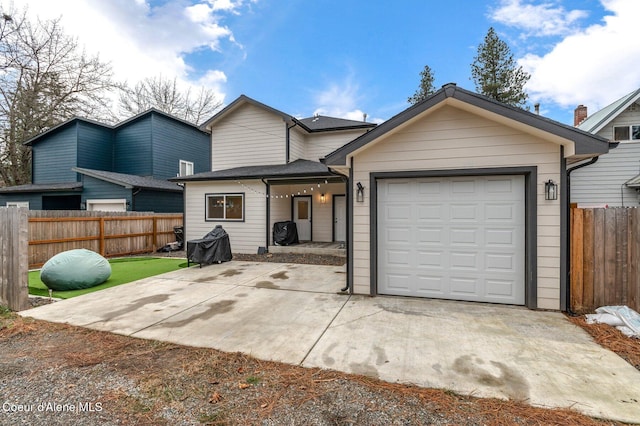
x=495, y=73
x=426, y=86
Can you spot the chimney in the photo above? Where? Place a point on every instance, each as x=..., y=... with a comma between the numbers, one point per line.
x=536, y=107
x=579, y=114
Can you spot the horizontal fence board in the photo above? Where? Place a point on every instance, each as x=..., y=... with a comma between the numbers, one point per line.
x=109, y=233
x=605, y=251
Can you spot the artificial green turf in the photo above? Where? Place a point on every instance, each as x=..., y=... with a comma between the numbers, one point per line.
x=123, y=271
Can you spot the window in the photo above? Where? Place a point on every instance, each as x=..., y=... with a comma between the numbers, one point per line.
x=225, y=207
x=626, y=133
x=186, y=168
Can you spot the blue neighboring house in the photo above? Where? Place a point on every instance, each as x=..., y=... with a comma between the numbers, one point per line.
x=86, y=165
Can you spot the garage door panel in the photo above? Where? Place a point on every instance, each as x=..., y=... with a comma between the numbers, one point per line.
x=503, y=237
x=500, y=213
x=430, y=286
x=463, y=212
x=431, y=213
x=498, y=289
x=456, y=238
x=430, y=236
x=463, y=260
x=495, y=262
x=464, y=236
x=431, y=259
x=398, y=234
x=400, y=283
x=466, y=287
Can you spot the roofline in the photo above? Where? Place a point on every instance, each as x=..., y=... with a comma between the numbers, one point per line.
x=308, y=175
x=632, y=97
x=93, y=174
x=153, y=110
x=112, y=126
x=242, y=99
x=64, y=124
x=451, y=91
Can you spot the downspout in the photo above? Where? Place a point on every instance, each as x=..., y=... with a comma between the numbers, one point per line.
x=347, y=181
x=268, y=191
x=133, y=198
x=288, y=144
x=567, y=216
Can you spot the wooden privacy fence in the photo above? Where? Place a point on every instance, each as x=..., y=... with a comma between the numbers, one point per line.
x=605, y=256
x=108, y=233
x=14, y=292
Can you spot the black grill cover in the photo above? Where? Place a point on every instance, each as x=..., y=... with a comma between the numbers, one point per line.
x=212, y=248
x=285, y=233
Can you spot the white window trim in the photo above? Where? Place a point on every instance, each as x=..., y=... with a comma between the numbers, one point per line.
x=225, y=195
x=630, y=127
x=188, y=165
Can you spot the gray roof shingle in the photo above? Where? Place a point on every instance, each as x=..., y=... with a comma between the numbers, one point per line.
x=295, y=169
x=46, y=187
x=130, y=181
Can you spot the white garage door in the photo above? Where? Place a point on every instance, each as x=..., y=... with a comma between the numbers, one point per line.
x=460, y=238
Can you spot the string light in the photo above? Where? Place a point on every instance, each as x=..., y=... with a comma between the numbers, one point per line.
x=248, y=188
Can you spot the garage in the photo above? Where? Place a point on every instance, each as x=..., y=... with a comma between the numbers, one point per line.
x=460, y=238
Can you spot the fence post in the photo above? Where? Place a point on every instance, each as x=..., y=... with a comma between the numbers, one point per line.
x=101, y=244
x=14, y=249
x=577, y=254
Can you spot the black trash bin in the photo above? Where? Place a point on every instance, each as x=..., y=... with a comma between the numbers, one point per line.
x=178, y=231
x=212, y=248
x=285, y=233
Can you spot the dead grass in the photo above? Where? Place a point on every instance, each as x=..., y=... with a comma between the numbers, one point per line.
x=232, y=388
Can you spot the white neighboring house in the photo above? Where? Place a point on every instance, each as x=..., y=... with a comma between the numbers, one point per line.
x=614, y=179
x=445, y=200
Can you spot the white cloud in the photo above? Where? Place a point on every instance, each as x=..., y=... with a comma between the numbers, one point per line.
x=339, y=100
x=544, y=19
x=594, y=66
x=141, y=40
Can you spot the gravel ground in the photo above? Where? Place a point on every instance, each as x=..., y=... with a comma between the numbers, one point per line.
x=55, y=374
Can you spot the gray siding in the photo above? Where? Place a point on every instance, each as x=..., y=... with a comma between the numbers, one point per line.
x=158, y=202
x=95, y=189
x=35, y=200
x=174, y=141
x=603, y=182
x=54, y=156
x=132, y=151
x=95, y=147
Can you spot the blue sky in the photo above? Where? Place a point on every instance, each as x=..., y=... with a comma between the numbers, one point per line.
x=346, y=58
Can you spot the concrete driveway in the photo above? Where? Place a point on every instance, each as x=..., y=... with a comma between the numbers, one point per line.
x=293, y=314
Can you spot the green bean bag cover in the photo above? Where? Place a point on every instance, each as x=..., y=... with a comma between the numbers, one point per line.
x=74, y=270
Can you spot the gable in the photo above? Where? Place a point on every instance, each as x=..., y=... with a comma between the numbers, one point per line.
x=450, y=137
x=248, y=136
x=575, y=142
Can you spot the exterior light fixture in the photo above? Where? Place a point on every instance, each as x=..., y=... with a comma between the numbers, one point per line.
x=550, y=190
x=359, y=193
x=322, y=198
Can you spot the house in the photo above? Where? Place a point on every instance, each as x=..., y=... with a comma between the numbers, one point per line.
x=84, y=164
x=265, y=168
x=457, y=197
x=614, y=178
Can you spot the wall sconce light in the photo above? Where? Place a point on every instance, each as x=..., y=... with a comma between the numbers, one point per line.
x=322, y=198
x=550, y=190
x=360, y=192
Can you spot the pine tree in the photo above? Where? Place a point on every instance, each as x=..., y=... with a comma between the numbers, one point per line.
x=495, y=73
x=426, y=86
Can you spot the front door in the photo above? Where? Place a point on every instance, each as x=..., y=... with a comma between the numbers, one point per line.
x=302, y=217
x=339, y=218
